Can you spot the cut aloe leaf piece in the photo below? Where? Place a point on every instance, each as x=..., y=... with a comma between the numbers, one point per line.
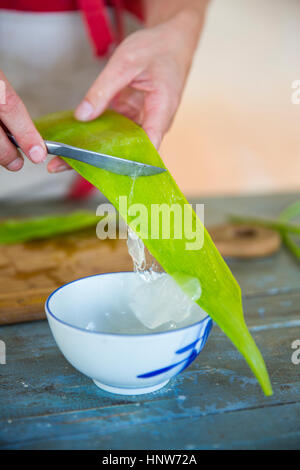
x=116, y=135
x=36, y=228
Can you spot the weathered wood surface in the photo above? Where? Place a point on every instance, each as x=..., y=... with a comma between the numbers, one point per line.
x=30, y=271
x=215, y=403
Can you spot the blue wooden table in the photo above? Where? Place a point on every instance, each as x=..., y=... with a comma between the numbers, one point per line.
x=216, y=403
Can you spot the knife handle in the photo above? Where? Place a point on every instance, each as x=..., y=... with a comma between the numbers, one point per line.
x=12, y=139
x=50, y=146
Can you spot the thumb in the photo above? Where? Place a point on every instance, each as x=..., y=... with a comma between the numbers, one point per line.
x=117, y=74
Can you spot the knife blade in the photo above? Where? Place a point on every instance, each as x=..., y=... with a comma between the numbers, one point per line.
x=120, y=166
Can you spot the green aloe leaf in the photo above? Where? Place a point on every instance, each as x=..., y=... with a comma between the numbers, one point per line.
x=36, y=228
x=285, y=216
x=116, y=135
x=279, y=224
x=287, y=230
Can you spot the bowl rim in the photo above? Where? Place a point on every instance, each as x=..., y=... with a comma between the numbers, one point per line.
x=48, y=310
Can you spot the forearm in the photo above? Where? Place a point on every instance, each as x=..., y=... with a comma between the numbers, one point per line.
x=184, y=16
x=159, y=11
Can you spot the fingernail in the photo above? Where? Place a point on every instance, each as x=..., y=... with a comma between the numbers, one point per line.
x=155, y=141
x=15, y=164
x=37, y=154
x=59, y=168
x=84, y=111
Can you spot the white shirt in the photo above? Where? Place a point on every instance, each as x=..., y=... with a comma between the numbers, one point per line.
x=49, y=60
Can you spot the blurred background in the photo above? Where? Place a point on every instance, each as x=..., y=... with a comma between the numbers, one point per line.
x=236, y=131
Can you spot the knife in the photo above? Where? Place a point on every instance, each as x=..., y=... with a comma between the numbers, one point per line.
x=121, y=166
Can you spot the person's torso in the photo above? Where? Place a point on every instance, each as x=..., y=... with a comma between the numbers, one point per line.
x=47, y=57
x=50, y=63
x=49, y=60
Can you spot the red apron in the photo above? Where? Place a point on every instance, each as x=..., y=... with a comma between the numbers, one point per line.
x=99, y=29
x=94, y=14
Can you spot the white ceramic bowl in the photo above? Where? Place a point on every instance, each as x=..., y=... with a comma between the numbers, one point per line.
x=127, y=364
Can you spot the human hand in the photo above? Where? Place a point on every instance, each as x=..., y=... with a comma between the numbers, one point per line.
x=15, y=118
x=144, y=78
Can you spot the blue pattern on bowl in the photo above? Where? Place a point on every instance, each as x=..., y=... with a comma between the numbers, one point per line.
x=196, y=347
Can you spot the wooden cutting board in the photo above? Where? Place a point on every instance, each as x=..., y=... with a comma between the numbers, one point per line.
x=29, y=272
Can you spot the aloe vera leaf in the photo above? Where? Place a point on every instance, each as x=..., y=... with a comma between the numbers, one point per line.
x=275, y=224
x=116, y=135
x=291, y=211
x=291, y=245
x=34, y=228
x=281, y=225
x=288, y=213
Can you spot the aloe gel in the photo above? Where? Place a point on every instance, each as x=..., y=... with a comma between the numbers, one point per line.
x=116, y=135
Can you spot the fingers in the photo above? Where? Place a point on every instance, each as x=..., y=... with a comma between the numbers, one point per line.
x=10, y=158
x=17, y=120
x=57, y=165
x=158, y=115
x=155, y=86
x=130, y=103
x=118, y=73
